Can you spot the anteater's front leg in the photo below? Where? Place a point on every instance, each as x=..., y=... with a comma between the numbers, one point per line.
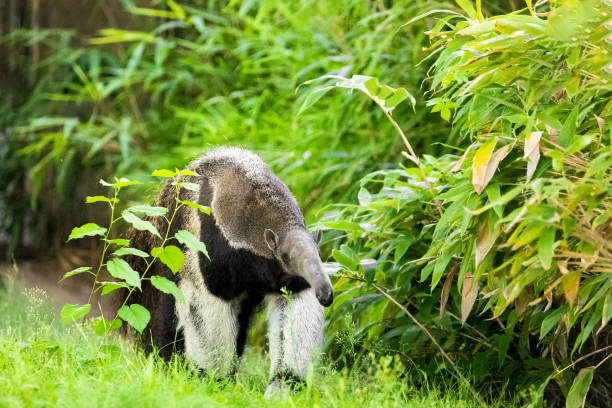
x=210, y=327
x=295, y=335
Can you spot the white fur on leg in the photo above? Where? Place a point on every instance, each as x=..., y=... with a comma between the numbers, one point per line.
x=210, y=324
x=295, y=333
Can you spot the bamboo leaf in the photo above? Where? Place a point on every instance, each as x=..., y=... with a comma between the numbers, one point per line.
x=576, y=397
x=545, y=246
x=571, y=283
x=485, y=240
x=469, y=293
x=532, y=152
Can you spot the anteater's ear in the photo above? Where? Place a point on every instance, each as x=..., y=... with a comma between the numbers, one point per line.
x=271, y=239
x=317, y=236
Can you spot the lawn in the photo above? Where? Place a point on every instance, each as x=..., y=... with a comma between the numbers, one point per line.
x=45, y=364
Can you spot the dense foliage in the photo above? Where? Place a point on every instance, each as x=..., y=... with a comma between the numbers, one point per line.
x=510, y=240
x=206, y=73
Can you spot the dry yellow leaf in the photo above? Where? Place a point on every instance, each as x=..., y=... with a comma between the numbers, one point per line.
x=532, y=152
x=469, y=293
x=571, y=284
x=485, y=241
x=485, y=163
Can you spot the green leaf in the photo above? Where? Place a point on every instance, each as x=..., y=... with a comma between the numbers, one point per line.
x=139, y=223
x=385, y=91
x=119, y=241
x=108, y=287
x=70, y=313
x=164, y=173
x=131, y=251
x=372, y=86
x=76, y=271
x=89, y=229
x=494, y=195
x=400, y=95
x=120, y=269
x=101, y=325
x=347, y=257
x=467, y=6
x=202, y=208
x=551, y=320
x=188, y=239
x=545, y=246
x=188, y=186
x=171, y=256
x=188, y=173
x=167, y=286
x=136, y=315
x=178, y=10
x=568, y=131
x=123, y=182
x=96, y=199
x=606, y=311
x=576, y=396
x=148, y=210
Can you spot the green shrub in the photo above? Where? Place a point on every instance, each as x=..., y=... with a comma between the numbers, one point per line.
x=200, y=74
x=508, y=263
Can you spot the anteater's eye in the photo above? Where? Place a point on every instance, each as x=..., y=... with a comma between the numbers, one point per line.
x=285, y=258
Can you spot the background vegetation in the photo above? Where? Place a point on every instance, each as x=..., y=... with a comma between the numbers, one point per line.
x=493, y=239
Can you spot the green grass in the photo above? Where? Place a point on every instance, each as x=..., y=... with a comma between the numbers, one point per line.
x=44, y=364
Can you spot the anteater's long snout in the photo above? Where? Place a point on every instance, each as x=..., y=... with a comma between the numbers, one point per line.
x=325, y=294
x=320, y=283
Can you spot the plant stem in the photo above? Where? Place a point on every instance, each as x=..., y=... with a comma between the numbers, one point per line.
x=113, y=203
x=177, y=206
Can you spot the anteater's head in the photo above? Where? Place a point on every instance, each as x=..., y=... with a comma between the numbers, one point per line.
x=297, y=251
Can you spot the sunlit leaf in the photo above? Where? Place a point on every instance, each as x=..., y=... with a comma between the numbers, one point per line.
x=171, y=256
x=201, y=208
x=120, y=269
x=164, y=173
x=71, y=313
x=96, y=199
x=90, y=229
x=119, y=242
x=136, y=315
x=102, y=326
